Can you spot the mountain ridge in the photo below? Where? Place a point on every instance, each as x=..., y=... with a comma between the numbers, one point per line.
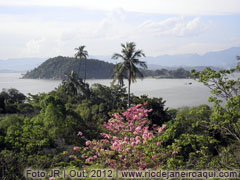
x=216, y=59
x=219, y=59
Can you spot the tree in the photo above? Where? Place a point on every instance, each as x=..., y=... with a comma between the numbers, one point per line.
x=118, y=77
x=129, y=67
x=10, y=99
x=82, y=54
x=128, y=143
x=74, y=86
x=225, y=86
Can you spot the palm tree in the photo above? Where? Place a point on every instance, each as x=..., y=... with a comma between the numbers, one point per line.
x=82, y=54
x=70, y=84
x=74, y=86
x=129, y=67
x=118, y=77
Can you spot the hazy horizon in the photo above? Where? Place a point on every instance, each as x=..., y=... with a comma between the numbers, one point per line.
x=44, y=28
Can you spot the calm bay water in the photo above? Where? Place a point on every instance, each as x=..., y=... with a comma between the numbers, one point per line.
x=176, y=92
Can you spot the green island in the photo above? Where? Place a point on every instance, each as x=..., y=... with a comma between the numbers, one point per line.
x=58, y=67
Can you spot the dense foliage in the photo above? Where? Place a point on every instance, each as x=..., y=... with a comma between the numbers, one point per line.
x=131, y=142
x=164, y=73
x=81, y=126
x=36, y=130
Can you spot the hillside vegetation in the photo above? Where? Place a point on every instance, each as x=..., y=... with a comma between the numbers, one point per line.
x=58, y=67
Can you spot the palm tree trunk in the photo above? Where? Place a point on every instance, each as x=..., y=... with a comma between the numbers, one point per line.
x=85, y=64
x=79, y=70
x=129, y=84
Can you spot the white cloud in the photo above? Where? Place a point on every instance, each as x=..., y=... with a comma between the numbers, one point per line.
x=32, y=48
x=112, y=27
x=193, y=7
x=176, y=26
x=34, y=34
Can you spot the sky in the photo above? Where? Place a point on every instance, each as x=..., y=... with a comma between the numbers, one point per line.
x=49, y=28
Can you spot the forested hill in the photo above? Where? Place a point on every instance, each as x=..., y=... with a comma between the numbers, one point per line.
x=56, y=68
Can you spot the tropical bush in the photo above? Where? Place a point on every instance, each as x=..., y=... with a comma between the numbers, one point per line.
x=130, y=142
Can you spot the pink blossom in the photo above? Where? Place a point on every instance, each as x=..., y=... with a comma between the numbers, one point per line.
x=72, y=156
x=145, y=131
x=115, y=144
x=80, y=133
x=51, y=178
x=137, y=138
x=76, y=148
x=145, y=136
x=101, y=150
x=127, y=150
x=118, y=149
x=154, y=156
x=115, y=138
x=89, y=159
x=88, y=143
x=159, y=130
x=138, y=142
x=138, y=106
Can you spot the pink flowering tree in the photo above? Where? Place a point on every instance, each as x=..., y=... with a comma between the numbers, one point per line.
x=129, y=143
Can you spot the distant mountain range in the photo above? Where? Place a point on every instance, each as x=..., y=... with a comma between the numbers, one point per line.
x=218, y=59
x=222, y=59
x=20, y=65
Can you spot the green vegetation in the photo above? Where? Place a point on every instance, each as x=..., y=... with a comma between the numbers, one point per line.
x=80, y=126
x=41, y=130
x=82, y=54
x=58, y=67
x=128, y=68
x=38, y=129
x=169, y=74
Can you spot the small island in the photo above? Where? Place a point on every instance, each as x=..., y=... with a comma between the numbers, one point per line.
x=58, y=67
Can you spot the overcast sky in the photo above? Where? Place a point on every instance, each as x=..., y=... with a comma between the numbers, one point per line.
x=48, y=28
